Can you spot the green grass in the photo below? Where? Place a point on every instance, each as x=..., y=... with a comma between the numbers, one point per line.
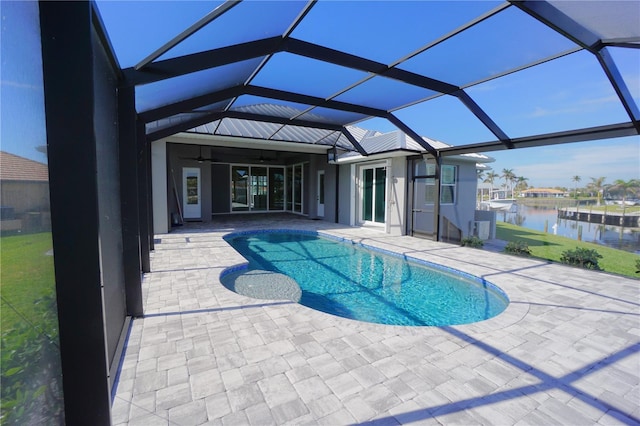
x=30, y=369
x=611, y=209
x=26, y=275
x=550, y=247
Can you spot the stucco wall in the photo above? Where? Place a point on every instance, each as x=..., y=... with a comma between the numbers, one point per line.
x=396, y=196
x=159, y=187
x=461, y=214
x=346, y=191
x=178, y=159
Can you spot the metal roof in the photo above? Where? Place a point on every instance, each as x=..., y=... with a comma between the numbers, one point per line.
x=510, y=74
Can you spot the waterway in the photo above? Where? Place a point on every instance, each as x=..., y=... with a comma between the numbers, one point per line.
x=537, y=218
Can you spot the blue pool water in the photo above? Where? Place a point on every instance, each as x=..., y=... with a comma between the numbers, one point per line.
x=352, y=281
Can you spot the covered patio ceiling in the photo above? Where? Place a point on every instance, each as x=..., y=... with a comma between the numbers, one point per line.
x=479, y=76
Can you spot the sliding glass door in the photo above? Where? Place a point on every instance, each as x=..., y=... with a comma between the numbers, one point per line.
x=295, y=188
x=239, y=188
x=373, y=194
x=276, y=188
x=257, y=188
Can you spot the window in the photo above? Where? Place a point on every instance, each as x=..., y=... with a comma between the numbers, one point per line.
x=448, y=179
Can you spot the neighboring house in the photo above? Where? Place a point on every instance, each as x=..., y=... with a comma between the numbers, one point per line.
x=197, y=175
x=542, y=193
x=24, y=194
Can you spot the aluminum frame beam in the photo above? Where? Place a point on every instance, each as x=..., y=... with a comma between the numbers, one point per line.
x=406, y=129
x=215, y=13
x=580, y=135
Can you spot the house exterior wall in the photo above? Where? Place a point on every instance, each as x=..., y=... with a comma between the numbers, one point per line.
x=169, y=158
x=396, y=189
x=346, y=188
x=25, y=196
x=331, y=195
x=220, y=184
x=396, y=196
x=160, y=187
x=462, y=213
x=178, y=159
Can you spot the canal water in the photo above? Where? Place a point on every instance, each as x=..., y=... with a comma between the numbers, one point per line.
x=621, y=238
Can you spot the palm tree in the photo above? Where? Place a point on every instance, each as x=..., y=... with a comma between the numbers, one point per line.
x=521, y=183
x=480, y=177
x=491, y=177
x=509, y=177
x=576, y=179
x=598, y=185
x=631, y=186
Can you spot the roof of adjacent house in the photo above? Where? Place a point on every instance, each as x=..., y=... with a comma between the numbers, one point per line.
x=13, y=167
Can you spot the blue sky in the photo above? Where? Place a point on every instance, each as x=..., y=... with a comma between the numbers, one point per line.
x=569, y=93
x=556, y=165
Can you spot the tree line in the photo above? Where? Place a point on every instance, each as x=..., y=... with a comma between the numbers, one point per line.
x=514, y=185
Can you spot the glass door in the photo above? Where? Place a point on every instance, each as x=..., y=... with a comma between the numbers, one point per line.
x=373, y=194
x=276, y=188
x=239, y=188
x=191, y=196
x=259, y=188
x=320, y=198
x=297, y=188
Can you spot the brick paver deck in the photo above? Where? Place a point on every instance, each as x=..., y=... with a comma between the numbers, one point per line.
x=564, y=352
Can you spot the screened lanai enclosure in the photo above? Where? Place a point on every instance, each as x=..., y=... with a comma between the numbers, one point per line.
x=455, y=78
x=279, y=103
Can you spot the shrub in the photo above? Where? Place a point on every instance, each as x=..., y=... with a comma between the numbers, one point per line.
x=582, y=257
x=519, y=248
x=31, y=387
x=473, y=241
x=637, y=266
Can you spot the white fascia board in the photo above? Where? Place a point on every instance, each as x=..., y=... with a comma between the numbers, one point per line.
x=239, y=142
x=372, y=157
x=473, y=158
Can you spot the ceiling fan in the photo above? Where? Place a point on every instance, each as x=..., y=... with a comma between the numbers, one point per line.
x=200, y=158
x=265, y=159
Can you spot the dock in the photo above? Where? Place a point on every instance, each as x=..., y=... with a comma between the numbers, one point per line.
x=628, y=220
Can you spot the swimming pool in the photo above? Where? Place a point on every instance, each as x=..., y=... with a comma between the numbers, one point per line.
x=352, y=281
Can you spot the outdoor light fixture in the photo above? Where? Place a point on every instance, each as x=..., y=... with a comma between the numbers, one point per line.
x=332, y=155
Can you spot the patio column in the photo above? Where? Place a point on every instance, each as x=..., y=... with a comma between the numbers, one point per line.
x=144, y=198
x=129, y=200
x=69, y=97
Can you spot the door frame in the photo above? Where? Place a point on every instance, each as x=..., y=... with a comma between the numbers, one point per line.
x=360, y=186
x=191, y=211
x=320, y=194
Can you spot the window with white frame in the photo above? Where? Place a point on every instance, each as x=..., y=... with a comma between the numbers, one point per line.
x=448, y=181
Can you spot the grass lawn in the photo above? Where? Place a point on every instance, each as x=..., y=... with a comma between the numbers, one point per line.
x=31, y=391
x=550, y=247
x=616, y=208
x=26, y=274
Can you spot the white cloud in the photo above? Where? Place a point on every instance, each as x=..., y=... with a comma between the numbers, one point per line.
x=583, y=106
x=556, y=165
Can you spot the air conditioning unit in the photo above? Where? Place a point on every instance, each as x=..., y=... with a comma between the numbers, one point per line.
x=482, y=229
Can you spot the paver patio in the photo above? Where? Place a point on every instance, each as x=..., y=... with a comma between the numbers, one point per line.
x=564, y=352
